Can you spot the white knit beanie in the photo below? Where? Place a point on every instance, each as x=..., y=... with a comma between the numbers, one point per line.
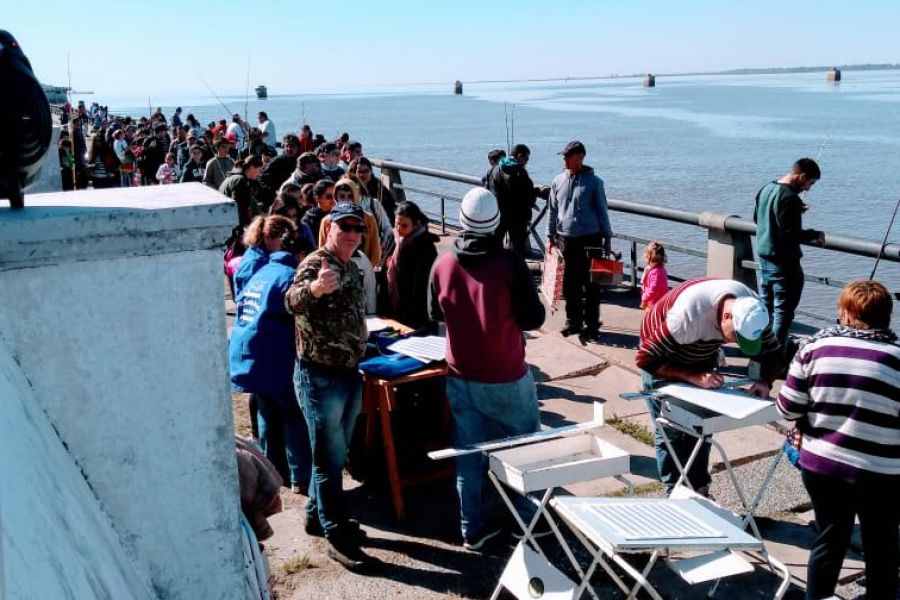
x=479, y=212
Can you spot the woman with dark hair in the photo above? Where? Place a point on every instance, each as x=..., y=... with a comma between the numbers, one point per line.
x=409, y=267
x=843, y=390
x=287, y=205
x=239, y=186
x=323, y=197
x=361, y=168
x=103, y=164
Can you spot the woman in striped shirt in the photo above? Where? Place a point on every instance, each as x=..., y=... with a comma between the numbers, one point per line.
x=843, y=389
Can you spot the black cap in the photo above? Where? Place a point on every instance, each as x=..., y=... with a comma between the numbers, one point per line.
x=573, y=147
x=342, y=210
x=307, y=158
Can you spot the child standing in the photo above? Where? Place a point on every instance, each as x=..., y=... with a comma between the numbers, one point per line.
x=655, y=282
x=168, y=171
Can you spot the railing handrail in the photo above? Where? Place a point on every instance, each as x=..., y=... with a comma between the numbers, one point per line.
x=889, y=252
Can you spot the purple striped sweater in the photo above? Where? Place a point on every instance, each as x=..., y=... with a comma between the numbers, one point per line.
x=848, y=390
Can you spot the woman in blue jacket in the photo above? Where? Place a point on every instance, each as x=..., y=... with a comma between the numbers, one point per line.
x=261, y=358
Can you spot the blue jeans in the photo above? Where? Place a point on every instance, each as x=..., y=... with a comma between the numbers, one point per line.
x=780, y=288
x=682, y=444
x=331, y=399
x=283, y=434
x=482, y=412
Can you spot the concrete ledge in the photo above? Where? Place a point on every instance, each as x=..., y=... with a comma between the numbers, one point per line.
x=113, y=223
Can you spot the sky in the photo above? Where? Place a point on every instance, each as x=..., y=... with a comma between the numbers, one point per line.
x=130, y=49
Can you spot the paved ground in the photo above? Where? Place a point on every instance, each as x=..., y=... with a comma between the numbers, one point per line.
x=422, y=557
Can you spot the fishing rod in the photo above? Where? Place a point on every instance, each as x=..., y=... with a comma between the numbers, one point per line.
x=247, y=93
x=884, y=241
x=216, y=96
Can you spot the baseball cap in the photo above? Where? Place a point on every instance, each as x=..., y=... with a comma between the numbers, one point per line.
x=750, y=318
x=343, y=210
x=573, y=147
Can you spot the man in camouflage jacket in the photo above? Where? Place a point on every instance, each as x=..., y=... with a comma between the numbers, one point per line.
x=328, y=302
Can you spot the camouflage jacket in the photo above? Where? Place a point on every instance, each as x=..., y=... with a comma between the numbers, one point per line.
x=330, y=330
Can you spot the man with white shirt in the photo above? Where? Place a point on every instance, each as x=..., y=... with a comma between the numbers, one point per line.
x=268, y=129
x=236, y=128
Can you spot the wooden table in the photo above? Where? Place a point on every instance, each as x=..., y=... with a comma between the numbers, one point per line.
x=379, y=401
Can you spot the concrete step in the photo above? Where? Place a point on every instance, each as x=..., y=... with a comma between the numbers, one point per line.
x=551, y=360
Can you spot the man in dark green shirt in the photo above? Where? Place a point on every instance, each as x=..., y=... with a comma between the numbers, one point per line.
x=779, y=233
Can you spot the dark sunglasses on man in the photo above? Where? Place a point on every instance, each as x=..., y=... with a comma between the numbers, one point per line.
x=348, y=227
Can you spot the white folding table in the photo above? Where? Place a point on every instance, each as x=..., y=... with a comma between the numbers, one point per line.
x=535, y=471
x=700, y=413
x=611, y=527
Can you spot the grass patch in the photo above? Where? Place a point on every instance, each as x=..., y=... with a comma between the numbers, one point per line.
x=644, y=489
x=298, y=563
x=633, y=430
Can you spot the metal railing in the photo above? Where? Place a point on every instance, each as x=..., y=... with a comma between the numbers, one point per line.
x=731, y=232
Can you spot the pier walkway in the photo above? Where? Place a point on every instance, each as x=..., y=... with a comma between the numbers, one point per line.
x=422, y=557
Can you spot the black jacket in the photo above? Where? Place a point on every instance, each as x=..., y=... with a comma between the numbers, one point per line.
x=276, y=172
x=513, y=188
x=408, y=277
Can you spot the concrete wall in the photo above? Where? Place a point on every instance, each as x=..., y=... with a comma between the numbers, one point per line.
x=55, y=541
x=113, y=311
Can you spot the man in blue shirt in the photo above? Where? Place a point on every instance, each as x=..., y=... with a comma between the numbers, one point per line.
x=578, y=221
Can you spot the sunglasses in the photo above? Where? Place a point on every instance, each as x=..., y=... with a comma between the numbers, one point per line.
x=347, y=227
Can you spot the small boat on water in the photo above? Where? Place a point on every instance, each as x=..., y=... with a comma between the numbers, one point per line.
x=261, y=92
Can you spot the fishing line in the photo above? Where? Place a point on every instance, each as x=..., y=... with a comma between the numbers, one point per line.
x=215, y=95
x=884, y=241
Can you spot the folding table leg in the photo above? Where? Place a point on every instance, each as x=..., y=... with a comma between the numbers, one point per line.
x=390, y=453
x=596, y=559
x=682, y=469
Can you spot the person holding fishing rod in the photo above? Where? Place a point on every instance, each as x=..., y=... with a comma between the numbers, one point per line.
x=779, y=233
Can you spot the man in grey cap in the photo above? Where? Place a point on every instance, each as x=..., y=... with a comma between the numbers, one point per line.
x=578, y=221
x=327, y=300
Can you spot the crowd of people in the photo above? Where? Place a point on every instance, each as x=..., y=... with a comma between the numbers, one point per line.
x=320, y=243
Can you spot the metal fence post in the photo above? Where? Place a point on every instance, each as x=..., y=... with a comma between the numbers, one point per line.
x=443, y=218
x=634, y=265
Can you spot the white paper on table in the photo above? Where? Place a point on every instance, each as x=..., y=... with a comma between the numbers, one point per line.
x=376, y=324
x=731, y=403
x=428, y=348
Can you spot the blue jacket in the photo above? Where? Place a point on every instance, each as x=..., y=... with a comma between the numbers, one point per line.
x=261, y=351
x=578, y=205
x=252, y=261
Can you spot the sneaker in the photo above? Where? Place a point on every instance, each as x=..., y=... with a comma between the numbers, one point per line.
x=570, y=329
x=347, y=553
x=477, y=541
x=591, y=335
x=313, y=527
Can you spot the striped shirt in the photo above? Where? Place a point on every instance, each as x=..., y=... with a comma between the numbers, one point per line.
x=848, y=390
x=682, y=328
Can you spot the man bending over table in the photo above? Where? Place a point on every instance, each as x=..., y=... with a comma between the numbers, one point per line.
x=680, y=341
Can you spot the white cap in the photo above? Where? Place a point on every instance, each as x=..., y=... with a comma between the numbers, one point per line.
x=479, y=212
x=750, y=318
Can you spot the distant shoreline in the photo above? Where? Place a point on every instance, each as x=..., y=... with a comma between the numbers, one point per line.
x=743, y=71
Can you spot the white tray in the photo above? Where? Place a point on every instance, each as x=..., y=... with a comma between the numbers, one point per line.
x=559, y=462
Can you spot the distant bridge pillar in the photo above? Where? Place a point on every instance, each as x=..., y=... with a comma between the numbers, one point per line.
x=727, y=250
x=457, y=88
x=649, y=80
x=834, y=74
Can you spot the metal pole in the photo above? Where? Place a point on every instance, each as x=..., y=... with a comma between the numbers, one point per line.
x=443, y=218
x=633, y=265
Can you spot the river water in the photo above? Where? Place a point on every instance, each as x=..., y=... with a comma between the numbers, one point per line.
x=693, y=142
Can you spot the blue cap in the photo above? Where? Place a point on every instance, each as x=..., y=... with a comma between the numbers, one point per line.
x=342, y=210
